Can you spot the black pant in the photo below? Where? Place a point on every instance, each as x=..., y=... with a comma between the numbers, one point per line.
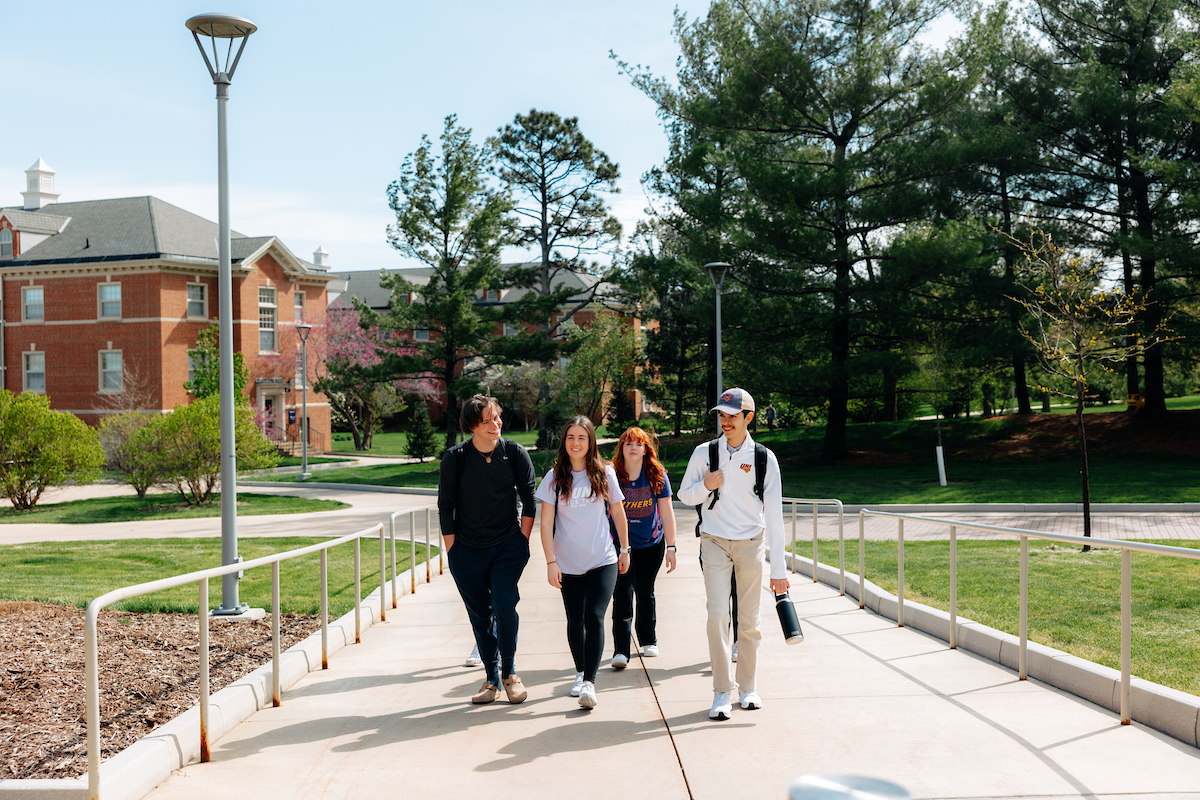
x=644, y=563
x=585, y=599
x=487, y=580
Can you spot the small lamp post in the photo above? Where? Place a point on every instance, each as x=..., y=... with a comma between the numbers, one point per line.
x=214, y=27
x=304, y=329
x=716, y=273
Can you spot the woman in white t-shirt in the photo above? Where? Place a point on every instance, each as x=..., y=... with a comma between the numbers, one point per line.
x=582, y=561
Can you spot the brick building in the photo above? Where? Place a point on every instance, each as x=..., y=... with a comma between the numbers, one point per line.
x=101, y=302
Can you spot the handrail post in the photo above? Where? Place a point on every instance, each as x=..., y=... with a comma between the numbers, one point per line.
x=357, y=591
x=91, y=672
x=815, y=552
x=392, y=527
x=1022, y=673
x=428, y=557
x=412, y=550
x=324, y=609
x=841, y=550
x=953, y=587
x=862, y=559
x=382, y=577
x=276, y=692
x=795, y=552
x=900, y=576
x=441, y=548
x=1126, y=624
x=202, y=647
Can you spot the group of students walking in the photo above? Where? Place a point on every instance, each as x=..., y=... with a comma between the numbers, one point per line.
x=606, y=531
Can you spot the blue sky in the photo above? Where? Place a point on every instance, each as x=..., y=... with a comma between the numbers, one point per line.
x=327, y=101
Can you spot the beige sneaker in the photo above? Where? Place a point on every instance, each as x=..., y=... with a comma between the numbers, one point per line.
x=487, y=693
x=515, y=689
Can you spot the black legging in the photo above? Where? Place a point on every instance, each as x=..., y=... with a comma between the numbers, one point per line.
x=644, y=563
x=585, y=599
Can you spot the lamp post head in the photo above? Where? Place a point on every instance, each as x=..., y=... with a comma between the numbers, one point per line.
x=303, y=329
x=221, y=26
x=717, y=270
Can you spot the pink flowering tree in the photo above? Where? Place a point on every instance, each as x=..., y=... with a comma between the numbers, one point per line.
x=344, y=373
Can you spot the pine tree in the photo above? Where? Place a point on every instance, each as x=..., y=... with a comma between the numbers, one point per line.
x=422, y=440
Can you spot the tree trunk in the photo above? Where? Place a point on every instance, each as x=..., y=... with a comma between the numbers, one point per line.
x=1020, y=382
x=891, y=398
x=1083, y=463
x=1152, y=317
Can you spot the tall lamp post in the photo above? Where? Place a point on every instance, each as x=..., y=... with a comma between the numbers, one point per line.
x=233, y=28
x=304, y=329
x=716, y=273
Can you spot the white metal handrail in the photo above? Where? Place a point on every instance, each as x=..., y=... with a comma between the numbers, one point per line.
x=1126, y=547
x=799, y=501
x=201, y=578
x=412, y=547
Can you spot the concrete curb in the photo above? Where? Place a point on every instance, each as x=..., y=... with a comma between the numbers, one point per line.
x=139, y=768
x=1018, y=508
x=1170, y=711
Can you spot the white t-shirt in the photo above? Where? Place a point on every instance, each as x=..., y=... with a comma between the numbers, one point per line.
x=581, y=539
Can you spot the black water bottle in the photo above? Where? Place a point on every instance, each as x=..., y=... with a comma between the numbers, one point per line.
x=788, y=619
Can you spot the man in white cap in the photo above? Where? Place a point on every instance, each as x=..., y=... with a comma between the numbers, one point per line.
x=733, y=526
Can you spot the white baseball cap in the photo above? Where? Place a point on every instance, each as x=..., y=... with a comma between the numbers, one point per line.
x=734, y=401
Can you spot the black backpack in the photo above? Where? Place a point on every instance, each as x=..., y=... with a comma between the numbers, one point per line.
x=760, y=472
x=507, y=448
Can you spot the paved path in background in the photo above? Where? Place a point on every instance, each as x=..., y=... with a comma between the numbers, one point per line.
x=392, y=717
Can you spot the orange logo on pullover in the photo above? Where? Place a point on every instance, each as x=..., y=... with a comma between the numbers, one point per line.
x=745, y=468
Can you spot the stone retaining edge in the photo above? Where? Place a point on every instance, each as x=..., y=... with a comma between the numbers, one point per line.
x=1162, y=708
x=138, y=769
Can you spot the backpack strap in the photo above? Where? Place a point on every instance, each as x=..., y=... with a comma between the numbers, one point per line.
x=554, y=523
x=714, y=461
x=760, y=470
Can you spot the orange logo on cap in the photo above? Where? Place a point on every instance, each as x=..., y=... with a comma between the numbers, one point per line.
x=725, y=398
x=745, y=468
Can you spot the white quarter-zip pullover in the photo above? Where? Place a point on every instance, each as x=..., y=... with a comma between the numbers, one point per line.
x=738, y=513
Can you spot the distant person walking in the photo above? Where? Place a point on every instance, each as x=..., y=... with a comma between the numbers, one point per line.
x=487, y=543
x=733, y=527
x=770, y=412
x=582, y=562
x=647, y=501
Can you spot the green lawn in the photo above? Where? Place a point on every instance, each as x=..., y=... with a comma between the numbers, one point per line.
x=74, y=573
x=1074, y=597
x=295, y=461
x=393, y=443
x=160, y=506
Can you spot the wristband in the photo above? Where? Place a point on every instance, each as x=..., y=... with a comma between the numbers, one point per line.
x=671, y=547
x=625, y=549
x=548, y=563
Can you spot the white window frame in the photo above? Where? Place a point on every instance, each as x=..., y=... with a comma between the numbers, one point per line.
x=203, y=301
x=25, y=304
x=6, y=243
x=26, y=371
x=300, y=305
x=104, y=370
x=511, y=330
x=420, y=334
x=101, y=302
x=268, y=297
x=191, y=365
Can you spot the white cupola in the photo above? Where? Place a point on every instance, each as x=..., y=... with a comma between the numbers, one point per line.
x=320, y=257
x=40, y=181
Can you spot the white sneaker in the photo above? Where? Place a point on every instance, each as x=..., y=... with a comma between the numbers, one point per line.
x=620, y=662
x=587, y=695
x=650, y=651
x=578, y=687
x=750, y=700
x=735, y=652
x=474, y=660
x=721, y=707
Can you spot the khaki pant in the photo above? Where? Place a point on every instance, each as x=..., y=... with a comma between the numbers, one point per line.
x=721, y=559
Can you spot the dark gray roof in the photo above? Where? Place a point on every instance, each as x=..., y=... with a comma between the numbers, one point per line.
x=366, y=286
x=34, y=221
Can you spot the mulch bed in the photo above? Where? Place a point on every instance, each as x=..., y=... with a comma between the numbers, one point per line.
x=149, y=674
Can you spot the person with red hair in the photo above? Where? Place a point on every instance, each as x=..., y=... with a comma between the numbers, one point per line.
x=647, y=502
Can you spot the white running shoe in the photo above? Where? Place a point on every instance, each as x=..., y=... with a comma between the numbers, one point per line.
x=721, y=707
x=650, y=651
x=578, y=687
x=620, y=661
x=474, y=660
x=587, y=695
x=750, y=700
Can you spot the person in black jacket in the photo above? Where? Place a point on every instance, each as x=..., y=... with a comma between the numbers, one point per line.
x=487, y=543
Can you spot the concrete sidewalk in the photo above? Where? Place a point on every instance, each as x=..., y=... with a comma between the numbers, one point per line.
x=393, y=717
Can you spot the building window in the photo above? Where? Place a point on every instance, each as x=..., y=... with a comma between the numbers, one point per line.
x=111, y=373
x=6, y=248
x=197, y=301
x=33, y=303
x=511, y=330
x=421, y=333
x=34, y=372
x=300, y=300
x=266, y=319
x=192, y=363
x=301, y=374
x=110, y=300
